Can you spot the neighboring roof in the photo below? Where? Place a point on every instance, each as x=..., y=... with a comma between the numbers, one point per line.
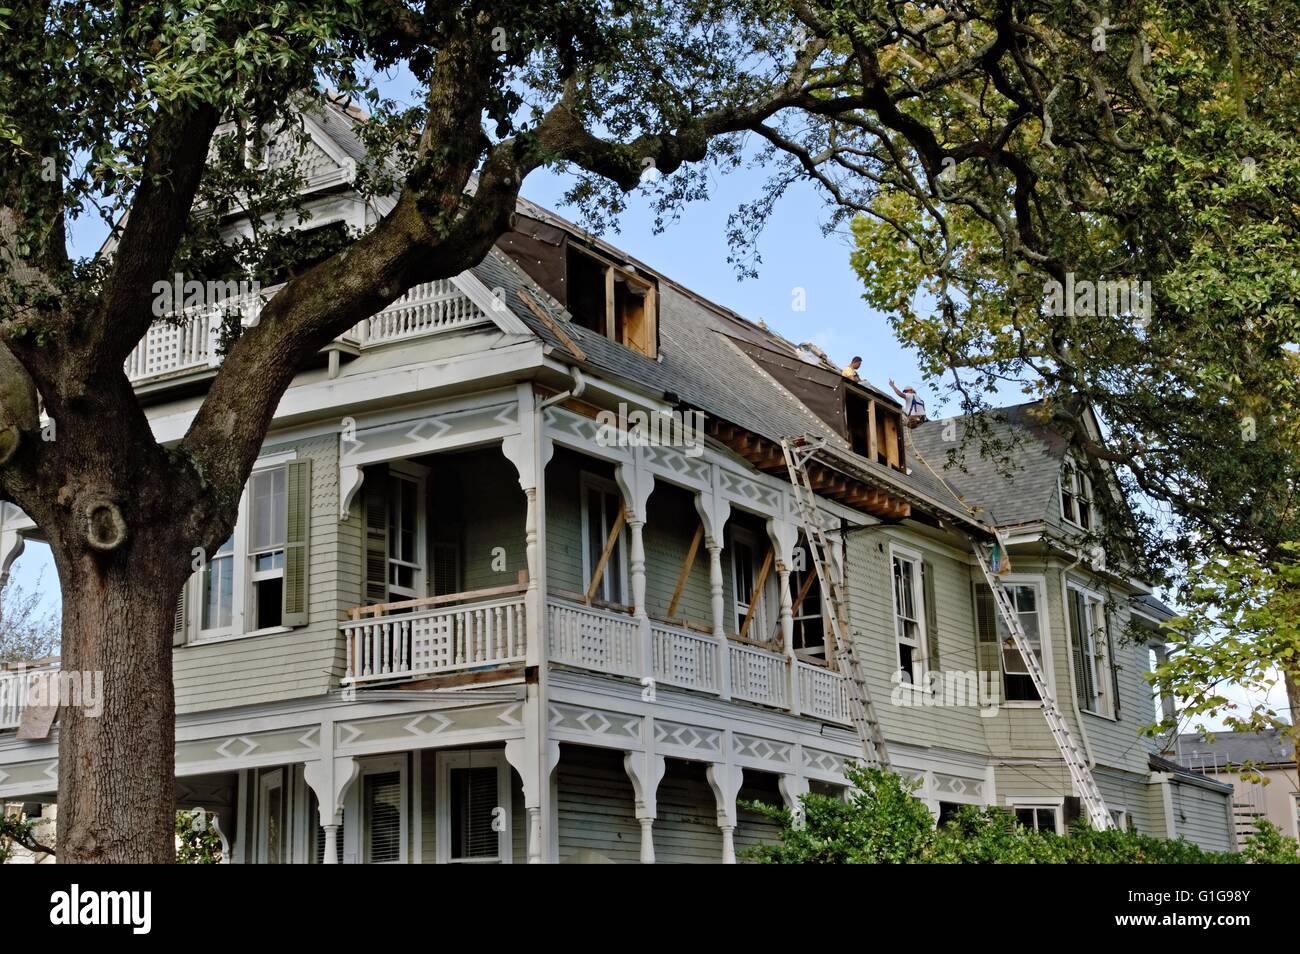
x=1236, y=748
x=1153, y=607
x=1158, y=763
x=1024, y=495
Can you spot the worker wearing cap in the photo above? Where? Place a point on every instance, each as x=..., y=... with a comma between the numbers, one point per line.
x=851, y=372
x=913, y=406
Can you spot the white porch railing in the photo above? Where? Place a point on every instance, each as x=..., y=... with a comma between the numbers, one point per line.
x=14, y=686
x=686, y=659
x=759, y=675
x=438, y=640
x=605, y=640
x=822, y=693
x=172, y=347
x=425, y=309
x=593, y=638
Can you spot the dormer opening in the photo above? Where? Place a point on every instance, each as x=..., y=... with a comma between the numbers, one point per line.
x=612, y=300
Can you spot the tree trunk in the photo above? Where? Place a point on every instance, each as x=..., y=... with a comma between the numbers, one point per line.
x=117, y=793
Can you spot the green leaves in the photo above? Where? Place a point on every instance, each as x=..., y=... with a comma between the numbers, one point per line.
x=884, y=823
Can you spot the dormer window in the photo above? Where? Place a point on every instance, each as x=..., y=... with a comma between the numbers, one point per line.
x=1076, y=496
x=612, y=300
x=873, y=429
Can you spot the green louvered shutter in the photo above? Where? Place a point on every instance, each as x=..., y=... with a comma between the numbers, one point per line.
x=987, y=657
x=931, y=616
x=181, y=616
x=1114, y=670
x=296, y=542
x=1082, y=672
x=376, y=514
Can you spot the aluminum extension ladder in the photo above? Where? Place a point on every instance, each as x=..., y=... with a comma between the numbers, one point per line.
x=1080, y=774
x=862, y=712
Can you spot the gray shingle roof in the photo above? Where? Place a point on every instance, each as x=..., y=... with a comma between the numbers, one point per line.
x=1236, y=748
x=1023, y=491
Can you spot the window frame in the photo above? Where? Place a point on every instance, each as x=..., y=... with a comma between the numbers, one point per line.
x=446, y=761
x=356, y=808
x=1098, y=660
x=1036, y=803
x=1039, y=583
x=587, y=482
x=1079, y=489
x=242, y=596
x=267, y=781
x=920, y=651
x=743, y=536
x=418, y=475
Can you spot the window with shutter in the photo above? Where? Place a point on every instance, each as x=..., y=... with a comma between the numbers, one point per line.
x=382, y=817
x=809, y=626
x=296, y=542
x=933, y=663
x=908, y=627
x=1088, y=645
x=986, y=635
x=179, y=618
x=473, y=816
x=267, y=531
x=375, y=505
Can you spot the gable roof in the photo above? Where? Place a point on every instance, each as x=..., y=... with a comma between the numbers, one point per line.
x=1023, y=493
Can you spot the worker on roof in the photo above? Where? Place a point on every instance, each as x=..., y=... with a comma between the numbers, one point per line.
x=851, y=372
x=913, y=406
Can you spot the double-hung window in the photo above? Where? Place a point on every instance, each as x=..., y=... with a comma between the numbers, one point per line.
x=602, y=507
x=219, y=591
x=473, y=809
x=1095, y=677
x=257, y=579
x=267, y=493
x=405, y=518
x=1076, y=496
x=997, y=648
x=909, y=620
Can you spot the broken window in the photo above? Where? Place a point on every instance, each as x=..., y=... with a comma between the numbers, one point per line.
x=612, y=300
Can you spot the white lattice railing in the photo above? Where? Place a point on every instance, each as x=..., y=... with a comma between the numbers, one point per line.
x=686, y=659
x=822, y=693
x=444, y=639
x=14, y=686
x=171, y=347
x=593, y=638
x=759, y=675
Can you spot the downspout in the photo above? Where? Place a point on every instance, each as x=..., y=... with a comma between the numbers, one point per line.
x=579, y=386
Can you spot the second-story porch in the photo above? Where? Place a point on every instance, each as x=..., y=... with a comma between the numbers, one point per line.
x=665, y=586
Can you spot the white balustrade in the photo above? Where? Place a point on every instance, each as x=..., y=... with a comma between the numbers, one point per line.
x=686, y=659
x=758, y=675
x=592, y=638
x=823, y=693
x=446, y=639
x=173, y=346
x=425, y=309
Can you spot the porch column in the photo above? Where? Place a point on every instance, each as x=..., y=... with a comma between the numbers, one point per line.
x=536, y=775
x=784, y=535
x=330, y=779
x=714, y=511
x=645, y=771
x=635, y=482
x=725, y=781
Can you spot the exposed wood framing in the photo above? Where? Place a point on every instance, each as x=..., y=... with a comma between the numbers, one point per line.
x=685, y=573
x=757, y=597
x=599, y=572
